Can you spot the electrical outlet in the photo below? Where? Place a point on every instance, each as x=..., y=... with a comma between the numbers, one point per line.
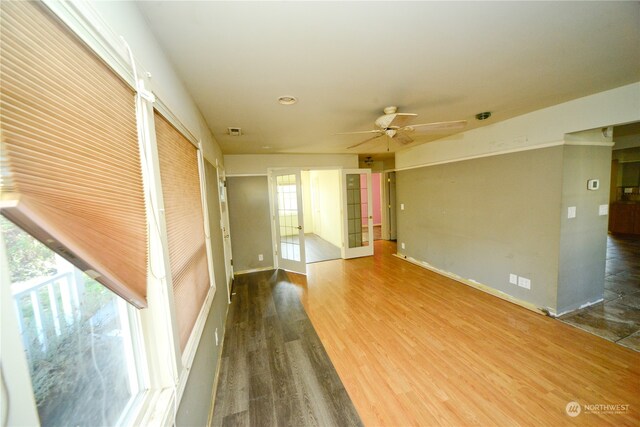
x=513, y=279
x=401, y=206
x=603, y=210
x=523, y=282
x=402, y=245
x=216, y=337
x=260, y=257
x=571, y=212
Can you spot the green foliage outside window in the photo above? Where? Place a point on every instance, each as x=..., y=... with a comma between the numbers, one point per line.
x=27, y=257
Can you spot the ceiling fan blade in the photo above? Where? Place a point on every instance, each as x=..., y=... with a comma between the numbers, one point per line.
x=402, y=119
x=366, y=140
x=403, y=138
x=396, y=120
x=362, y=131
x=457, y=124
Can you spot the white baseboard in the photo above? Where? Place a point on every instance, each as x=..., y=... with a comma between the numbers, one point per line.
x=588, y=304
x=253, y=270
x=475, y=285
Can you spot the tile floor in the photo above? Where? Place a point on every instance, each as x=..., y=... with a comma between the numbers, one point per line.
x=617, y=318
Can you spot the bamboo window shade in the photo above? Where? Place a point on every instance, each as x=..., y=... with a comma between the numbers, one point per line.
x=70, y=163
x=185, y=224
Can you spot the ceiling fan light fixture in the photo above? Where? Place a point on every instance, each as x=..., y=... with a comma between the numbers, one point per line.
x=287, y=100
x=396, y=126
x=483, y=116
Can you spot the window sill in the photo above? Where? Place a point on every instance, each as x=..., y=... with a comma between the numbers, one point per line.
x=156, y=409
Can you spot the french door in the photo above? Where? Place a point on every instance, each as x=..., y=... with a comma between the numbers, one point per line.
x=288, y=219
x=357, y=231
x=224, y=225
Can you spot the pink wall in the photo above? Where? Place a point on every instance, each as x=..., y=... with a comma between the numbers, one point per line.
x=375, y=195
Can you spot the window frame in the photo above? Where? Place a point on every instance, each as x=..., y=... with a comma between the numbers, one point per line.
x=162, y=368
x=15, y=360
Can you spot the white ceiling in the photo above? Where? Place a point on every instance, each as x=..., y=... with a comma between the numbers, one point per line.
x=345, y=61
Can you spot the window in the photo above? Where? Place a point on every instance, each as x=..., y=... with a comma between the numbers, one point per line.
x=76, y=336
x=73, y=182
x=70, y=164
x=185, y=224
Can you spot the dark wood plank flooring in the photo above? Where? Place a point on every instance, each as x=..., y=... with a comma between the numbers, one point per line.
x=275, y=371
x=317, y=249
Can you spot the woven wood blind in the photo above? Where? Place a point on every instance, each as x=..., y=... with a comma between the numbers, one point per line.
x=185, y=224
x=71, y=173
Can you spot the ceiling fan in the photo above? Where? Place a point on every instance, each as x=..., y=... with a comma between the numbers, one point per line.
x=396, y=126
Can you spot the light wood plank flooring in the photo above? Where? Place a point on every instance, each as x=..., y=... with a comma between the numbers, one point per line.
x=415, y=348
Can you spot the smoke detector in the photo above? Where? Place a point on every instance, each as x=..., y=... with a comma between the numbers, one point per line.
x=234, y=131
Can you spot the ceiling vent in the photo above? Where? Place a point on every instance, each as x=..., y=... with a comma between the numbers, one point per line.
x=483, y=116
x=235, y=131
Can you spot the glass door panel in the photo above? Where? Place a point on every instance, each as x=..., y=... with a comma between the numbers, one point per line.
x=358, y=215
x=288, y=221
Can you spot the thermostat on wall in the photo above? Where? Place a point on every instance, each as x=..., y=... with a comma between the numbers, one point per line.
x=593, y=184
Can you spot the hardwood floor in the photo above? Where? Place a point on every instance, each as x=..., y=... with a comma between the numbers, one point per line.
x=274, y=370
x=415, y=348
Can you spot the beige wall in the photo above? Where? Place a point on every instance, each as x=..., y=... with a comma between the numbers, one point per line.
x=306, y=201
x=258, y=164
x=326, y=205
x=532, y=130
x=322, y=204
x=379, y=165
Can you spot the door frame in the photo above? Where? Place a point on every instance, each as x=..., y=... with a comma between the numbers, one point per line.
x=224, y=226
x=299, y=267
x=360, y=251
x=389, y=220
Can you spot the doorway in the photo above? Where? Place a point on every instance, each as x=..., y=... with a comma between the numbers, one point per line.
x=319, y=215
x=321, y=207
x=376, y=204
x=616, y=317
x=390, y=231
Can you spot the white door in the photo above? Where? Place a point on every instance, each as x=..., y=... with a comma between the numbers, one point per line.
x=357, y=217
x=224, y=224
x=288, y=220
